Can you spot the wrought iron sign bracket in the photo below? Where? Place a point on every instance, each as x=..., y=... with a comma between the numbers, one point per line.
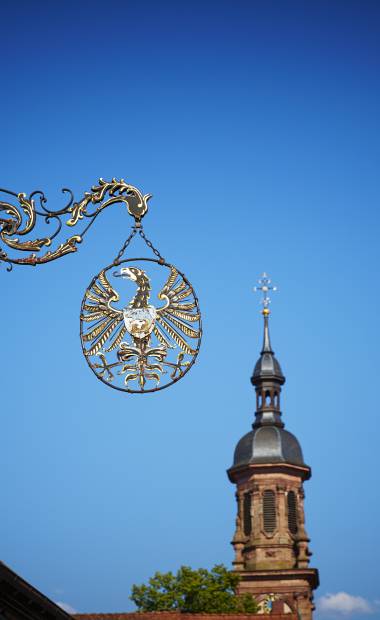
x=19, y=218
x=137, y=346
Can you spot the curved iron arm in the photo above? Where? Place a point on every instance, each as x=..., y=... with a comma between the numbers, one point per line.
x=21, y=218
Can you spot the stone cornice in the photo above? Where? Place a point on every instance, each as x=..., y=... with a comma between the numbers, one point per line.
x=245, y=471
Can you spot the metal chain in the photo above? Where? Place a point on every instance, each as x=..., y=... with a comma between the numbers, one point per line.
x=128, y=241
x=125, y=245
x=151, y=246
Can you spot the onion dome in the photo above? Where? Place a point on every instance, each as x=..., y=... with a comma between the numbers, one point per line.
x=268, y=444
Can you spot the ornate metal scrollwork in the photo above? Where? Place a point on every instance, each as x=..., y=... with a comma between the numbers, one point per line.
x=20, y=219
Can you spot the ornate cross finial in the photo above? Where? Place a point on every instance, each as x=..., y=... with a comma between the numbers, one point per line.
x=265, y=287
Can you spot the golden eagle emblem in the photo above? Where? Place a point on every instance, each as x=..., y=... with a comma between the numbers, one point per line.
x=128, y=333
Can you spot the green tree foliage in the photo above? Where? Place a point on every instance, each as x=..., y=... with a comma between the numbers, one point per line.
x=193, y=591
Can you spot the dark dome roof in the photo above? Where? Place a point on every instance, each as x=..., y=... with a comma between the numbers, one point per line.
x=268, y=444
x=267, y=366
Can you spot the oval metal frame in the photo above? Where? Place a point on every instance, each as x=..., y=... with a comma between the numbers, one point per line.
x=162, y=387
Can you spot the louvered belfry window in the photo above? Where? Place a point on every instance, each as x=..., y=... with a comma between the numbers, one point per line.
x=292, y=512
x=269, y=511
x=247, y=523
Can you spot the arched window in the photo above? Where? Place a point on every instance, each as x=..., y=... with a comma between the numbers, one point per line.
x=292, y=512
x=269, y=511
x=247, y=521
x=268, y=399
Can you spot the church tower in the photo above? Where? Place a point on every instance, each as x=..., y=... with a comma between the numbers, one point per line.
x=270, y=541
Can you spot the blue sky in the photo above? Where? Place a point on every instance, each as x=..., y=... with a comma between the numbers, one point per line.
x=256, y=127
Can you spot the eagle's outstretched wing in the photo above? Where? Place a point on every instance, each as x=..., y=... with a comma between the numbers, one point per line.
x=106, y=320
x=174, y=317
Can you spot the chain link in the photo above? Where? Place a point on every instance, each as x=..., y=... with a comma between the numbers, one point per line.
x=151, y=246
x=125, y=245
x=128, y=241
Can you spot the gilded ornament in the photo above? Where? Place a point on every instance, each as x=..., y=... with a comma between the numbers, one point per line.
x=139, y=346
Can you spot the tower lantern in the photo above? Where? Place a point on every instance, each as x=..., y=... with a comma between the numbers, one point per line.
x=270, y=541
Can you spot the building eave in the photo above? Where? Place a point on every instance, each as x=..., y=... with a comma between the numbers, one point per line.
x=248, y=469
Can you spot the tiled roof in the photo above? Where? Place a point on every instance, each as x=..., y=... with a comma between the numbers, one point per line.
x=175, y=615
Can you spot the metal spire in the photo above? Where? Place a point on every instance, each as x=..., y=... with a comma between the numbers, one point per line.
x=265, y=285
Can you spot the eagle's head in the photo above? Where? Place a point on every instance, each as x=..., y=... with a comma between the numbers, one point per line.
x=132, y=273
